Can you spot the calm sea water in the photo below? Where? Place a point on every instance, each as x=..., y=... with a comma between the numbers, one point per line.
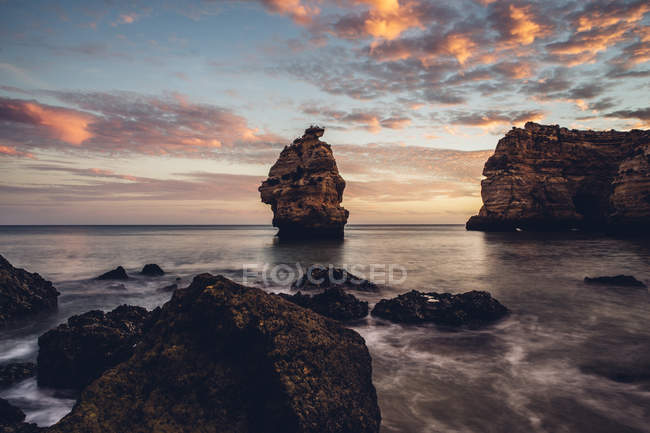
x=528, y=373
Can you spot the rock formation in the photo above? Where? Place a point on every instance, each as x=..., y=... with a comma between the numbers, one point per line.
x=23, y=293
x=12, y=419
x=319, y=278
x=617, y=280
x=74, y=354
x=305, y=189
x=333, y=303
x=551, y=178
x=471, y=309
x=116, y=274
x=152, y=270
x=16, y=372
x=220, y=357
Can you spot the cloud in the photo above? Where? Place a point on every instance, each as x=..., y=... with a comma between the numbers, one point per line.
x=372, y=121
x=11, y=151
x=495, y=118
x=299, y=11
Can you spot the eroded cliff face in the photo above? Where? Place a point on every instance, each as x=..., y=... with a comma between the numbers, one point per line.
x=550, y=178
x=305, y=189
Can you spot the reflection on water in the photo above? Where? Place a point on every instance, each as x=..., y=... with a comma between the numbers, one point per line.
x=531, y=372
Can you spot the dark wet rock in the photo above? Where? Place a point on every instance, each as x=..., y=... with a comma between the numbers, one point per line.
x=152, y=270
x=471, y=309
x=14, y=373
x=74, y=354
x=319, y=278
x=333, y=303
x=10, y=414
x=618, y=280
x=169, y=288
x=116, y=287
x=305, y=190
x=227, y=358
x=116, y=274
x=23, y=293
x=548, y=178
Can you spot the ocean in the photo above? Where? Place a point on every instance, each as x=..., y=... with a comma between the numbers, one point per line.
x=544, y=368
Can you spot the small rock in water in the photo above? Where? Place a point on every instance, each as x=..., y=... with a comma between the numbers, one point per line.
x=116, y=274
x=74, y=354
x=333, y=303
x=152, y=270
x=116, y=287
x=471, y=309
x=618, y=280
x=319, y=278
x=14, y=373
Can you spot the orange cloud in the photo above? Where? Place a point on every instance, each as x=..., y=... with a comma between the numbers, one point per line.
x=12, y=151
x=460, y=46
x=388, y=19
x=524, y=29
x=67, y=125
x=599, y=19
x=299, y=12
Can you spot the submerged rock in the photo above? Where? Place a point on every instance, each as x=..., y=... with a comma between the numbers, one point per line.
x=305, y=190
x=23, y=293
x=74, y=354
x=222, y=357
x=152, y=270
x=618, y=280
x=169, y=288
x=471, y=309
x=14, y=373
x=116, y=274
x=319, y=278
x=550, y=178
x=334, y=303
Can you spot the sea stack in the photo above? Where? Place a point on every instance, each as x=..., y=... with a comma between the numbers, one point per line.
x=305, y=190
x=544, y=177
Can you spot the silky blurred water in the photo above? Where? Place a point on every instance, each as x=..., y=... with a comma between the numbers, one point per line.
x=528, y=373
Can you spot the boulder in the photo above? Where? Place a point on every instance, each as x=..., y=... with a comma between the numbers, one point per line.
x=544, y=177
x=305, y=190
x=16, y=372
x=319, y=278
x=222, y=357
x=618, y=280
x=23, y=293
x=116, y=274
x=333, y=303
x=472, y=309
x=74, y=354
x=152, y=270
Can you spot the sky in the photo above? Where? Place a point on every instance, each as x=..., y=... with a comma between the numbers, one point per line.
x=171, y=112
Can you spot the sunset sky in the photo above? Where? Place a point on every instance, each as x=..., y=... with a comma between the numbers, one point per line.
x=169, y=112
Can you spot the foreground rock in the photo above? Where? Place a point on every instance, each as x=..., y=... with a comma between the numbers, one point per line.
x=116, y=274
x=472, y=309
x=226, y=358
x=317, y=278
x=333, y=303
x=152, y=270
x=74, y=354
x=305, y=190
x=618, y=280
x=14, y=373
x=551, y=178
x=23, y=293
x=11, y=419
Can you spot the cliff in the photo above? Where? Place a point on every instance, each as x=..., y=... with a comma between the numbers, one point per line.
x=545, y=177
x=305, y=189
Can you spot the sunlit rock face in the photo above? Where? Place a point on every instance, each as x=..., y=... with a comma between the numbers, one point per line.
x=550, y=178
x=305, y=189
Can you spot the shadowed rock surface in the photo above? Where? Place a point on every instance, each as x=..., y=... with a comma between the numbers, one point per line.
x=317, y=278
x=472, y=309
x=551, y=178
x=152, y=270
x=618, y=280
x=116, y=274
x=23, y=293
x=222, y=357
x=14, y=373
x=333, y=303
x=74, y=354
x=305, y=189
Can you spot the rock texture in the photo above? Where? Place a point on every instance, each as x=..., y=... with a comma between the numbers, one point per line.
x=23, y=293
x=618, y=280
x=152, y=270
x=305, y=189
x=319, y=278
x=222, y=357
x=14, y=373
x=116, y=274
x=472, y=309
x=551, y=178
x=74, y=354
x=333, y=303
